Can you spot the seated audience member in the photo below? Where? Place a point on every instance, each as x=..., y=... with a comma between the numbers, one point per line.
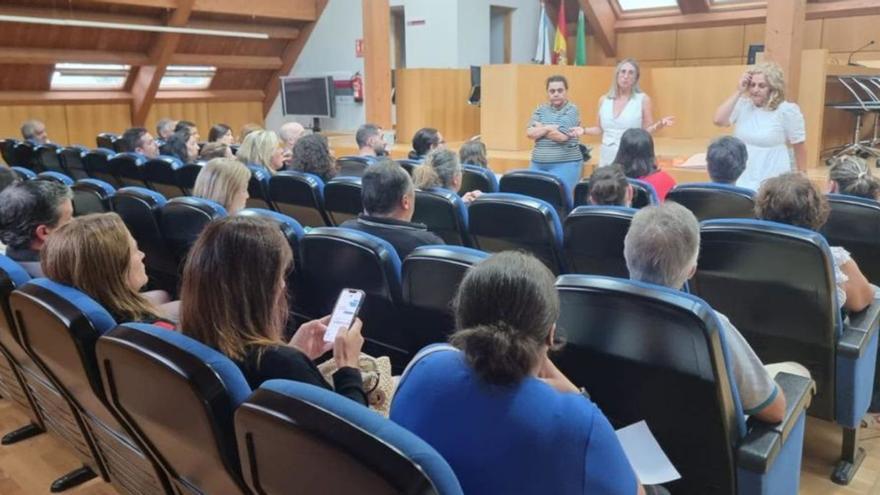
x=246, y=260
x=215, y=150
x=473, y=152
x=221, y=133
x=138, y=140
x=263, y=148
x=29, y=212
x=442, y=169
x=726, y=160
x=792, y=199
x=97, y=255
x=425, y=140
x=7, y=178
x=608, y=186
x=185, y=125
x=495, y=406
x=247, y=129
x=34, y=132
x=851, y=175
x=224, y=181
x=312, y=155
x=289, y=133
x=165, y=128
x=661, y=247
x=636, y=156
x=182, y=144
x=389, y=203
x=370, y=143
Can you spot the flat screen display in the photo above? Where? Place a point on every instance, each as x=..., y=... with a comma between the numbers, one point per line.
x=308, y=96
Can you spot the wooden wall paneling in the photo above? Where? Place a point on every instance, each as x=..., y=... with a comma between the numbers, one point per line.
x=650, y=45
x=12, y=116
x=435, y=98
x=753, y=34
x=811, y=99
x=84, y=122
x=813, y=34
x=234, y=114
x=709, y=43
x=700, y=62
x=596, y=55
x=845, y=34
x=499, y=106
x=784, y=40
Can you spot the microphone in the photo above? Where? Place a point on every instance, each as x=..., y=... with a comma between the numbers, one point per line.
x=849, y=60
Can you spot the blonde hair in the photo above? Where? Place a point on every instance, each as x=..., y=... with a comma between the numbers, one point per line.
x=775, y=81
x=612, y=91
x=853, y=177
x=258, y=148
x=92, y=253
x=221, y=180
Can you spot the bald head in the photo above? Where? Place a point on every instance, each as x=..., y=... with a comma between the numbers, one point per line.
x=290, y=133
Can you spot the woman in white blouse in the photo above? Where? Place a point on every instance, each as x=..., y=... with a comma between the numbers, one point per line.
x=766, y=123
x=624, y=107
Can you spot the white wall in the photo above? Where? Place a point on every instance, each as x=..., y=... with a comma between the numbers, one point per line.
x=431, y=33
x=496, y=38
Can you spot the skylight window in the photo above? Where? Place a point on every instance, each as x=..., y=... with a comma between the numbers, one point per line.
x=627, y=5
x=89, y=76
x=187, y=77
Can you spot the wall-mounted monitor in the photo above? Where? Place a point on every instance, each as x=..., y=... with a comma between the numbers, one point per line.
x=308, y=96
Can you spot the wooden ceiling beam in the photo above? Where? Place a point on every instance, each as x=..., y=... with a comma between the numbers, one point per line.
x=212, y=95
x=299, y=10
x=43, y=97
x=246, y=62
x=693, y=6
x=601, y=18
x=148, y=77
x=291, y=52
x=50, y=56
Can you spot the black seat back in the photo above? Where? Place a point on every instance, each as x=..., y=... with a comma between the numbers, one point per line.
x=7, y=150
x=160, y=174
x=445, y=214
x=593, y=240
x=183, y=219
x=258, y=188
x=140, y=208
x=342, y=199
x=72, y=160
x=105, y=140
x=854, y=224
x=186, y=176
x=477, y=178
x=352, y=166
x=643, y=193
x=46, y=159
x=708, y=201
x=541, y=185
x=91, y=196
x=23, y=155
x=95, y=163
x=300, y=196
x=128, y=167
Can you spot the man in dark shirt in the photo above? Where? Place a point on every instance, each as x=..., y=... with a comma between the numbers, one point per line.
x=29, y=212
x=389, y=203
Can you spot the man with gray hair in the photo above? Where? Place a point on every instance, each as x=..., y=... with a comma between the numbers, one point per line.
x=29, y=212
x=661, y=247
x=290, y=132
x=165, y=128
x=726, y=160
x=34, y=132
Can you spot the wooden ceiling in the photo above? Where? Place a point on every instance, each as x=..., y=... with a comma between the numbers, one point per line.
x=247, y=67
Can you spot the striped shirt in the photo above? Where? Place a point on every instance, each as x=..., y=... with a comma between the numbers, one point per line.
x=548, y=151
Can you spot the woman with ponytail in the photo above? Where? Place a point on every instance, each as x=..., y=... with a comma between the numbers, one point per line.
x=493, y=403
x=442, y=169
x=850, y=175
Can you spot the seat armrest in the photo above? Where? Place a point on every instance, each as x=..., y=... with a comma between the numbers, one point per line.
x=763, y=442
x=859, y=330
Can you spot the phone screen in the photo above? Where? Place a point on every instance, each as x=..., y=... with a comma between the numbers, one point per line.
x=344, y=313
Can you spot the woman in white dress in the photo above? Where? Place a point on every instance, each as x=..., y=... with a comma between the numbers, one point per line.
x=766, y=123
x=624, y=107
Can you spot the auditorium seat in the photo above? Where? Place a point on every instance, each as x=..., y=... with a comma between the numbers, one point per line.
x=593, y=240
x=288, y=431
x=342, y=199
x=854, y=224
x=7, y=150
x=95, y=163
x=645, y=352
x=431, y=276
x=24, y=173
x=161, y=174
x=105, y=140
x=128, y=168
x=477, y=178
x=91, y=196
x=643, y=193
x=59, y=327
x=352, y=166
x=71, y=159
x=47, y=160
x=23, y=156
x=258, y=188
x=444, y=213
x=408, y=164
x=538, y=184
x=299, y=196
x=334, y=259
x=775, y=283
x=182, y=220
x=709, y=200
x=504, y=221
x=140, y=208
x=178, y=397
x=56, y=177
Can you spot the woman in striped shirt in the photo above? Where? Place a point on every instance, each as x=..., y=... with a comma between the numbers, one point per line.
x=552, y=127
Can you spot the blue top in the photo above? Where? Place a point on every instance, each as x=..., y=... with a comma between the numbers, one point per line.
x=525, y=439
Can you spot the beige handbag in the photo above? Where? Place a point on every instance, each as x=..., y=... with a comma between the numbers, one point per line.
x=378, y=383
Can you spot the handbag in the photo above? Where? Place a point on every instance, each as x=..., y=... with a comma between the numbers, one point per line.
x=376, y=374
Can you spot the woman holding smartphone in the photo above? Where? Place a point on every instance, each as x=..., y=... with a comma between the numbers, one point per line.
x=766, y=123
x=234, y=299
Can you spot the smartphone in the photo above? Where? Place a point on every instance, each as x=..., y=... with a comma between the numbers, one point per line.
x=346, y=310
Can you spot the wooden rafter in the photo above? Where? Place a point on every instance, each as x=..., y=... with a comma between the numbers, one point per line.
x=601, y=17
x=298, y=10
x=47, y=56
x=148, y=77
x=291, y=52
x=38, y=97
x=693, y=6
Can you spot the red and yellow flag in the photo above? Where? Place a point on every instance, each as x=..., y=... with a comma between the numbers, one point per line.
x=560, y=43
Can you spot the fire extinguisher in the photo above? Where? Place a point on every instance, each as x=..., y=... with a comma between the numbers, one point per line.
x=357, y=87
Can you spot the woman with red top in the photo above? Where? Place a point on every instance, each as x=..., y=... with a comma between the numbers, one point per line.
x=636, y=156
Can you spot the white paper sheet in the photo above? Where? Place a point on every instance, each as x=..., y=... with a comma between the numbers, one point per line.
x=645, y=455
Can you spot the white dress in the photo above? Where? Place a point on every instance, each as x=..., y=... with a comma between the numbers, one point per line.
x=613, y=128
x=767, y=134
